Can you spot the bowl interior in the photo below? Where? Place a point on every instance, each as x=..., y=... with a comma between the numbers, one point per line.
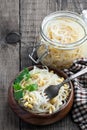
x=40, y=119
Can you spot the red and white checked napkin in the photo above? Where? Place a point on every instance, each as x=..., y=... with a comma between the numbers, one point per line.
x=79, y=110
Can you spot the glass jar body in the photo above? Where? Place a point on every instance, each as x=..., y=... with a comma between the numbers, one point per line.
x=58, y=58
x=62, y=55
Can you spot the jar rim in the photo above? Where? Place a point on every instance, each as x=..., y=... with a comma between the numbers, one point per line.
x=69, y=14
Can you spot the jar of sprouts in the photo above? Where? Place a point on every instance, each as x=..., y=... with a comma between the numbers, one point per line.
x=63, y=39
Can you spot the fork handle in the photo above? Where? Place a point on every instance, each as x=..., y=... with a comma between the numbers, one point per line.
x=83, y=71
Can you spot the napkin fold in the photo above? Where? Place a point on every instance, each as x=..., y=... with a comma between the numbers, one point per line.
x=79, y=110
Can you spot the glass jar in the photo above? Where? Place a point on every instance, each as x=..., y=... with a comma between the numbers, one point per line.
x=63, y=39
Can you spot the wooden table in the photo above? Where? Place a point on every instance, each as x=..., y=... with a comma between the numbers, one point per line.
x=25, y=17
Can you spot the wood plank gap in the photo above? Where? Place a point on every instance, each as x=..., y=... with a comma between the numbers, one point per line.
x=20, y=35
x=20, y=47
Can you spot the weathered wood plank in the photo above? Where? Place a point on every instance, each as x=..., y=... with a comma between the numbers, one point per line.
x=32, y=14
x=9, y=61
x=76, y=5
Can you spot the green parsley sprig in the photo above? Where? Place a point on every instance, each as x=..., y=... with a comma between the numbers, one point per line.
x=18, y=90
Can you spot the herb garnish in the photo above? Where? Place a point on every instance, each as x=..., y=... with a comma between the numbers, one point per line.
x=18, y=90
x=18, y=94
x=32, y=87
x=24, y=74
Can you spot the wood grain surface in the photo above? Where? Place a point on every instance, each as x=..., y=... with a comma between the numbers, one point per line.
x=9, y=61
x=25, y=16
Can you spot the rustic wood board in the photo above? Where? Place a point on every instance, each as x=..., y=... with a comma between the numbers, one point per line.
x=9, y=61
x=26, y=16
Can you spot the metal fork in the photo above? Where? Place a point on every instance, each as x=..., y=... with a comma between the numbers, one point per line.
x=53, y=90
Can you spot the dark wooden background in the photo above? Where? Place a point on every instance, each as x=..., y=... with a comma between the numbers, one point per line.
x=25, y=17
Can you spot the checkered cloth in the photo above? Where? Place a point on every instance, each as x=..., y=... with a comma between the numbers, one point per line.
x=79, y=110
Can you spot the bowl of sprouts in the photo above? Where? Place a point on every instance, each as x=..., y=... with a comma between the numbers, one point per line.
x=27, y=99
